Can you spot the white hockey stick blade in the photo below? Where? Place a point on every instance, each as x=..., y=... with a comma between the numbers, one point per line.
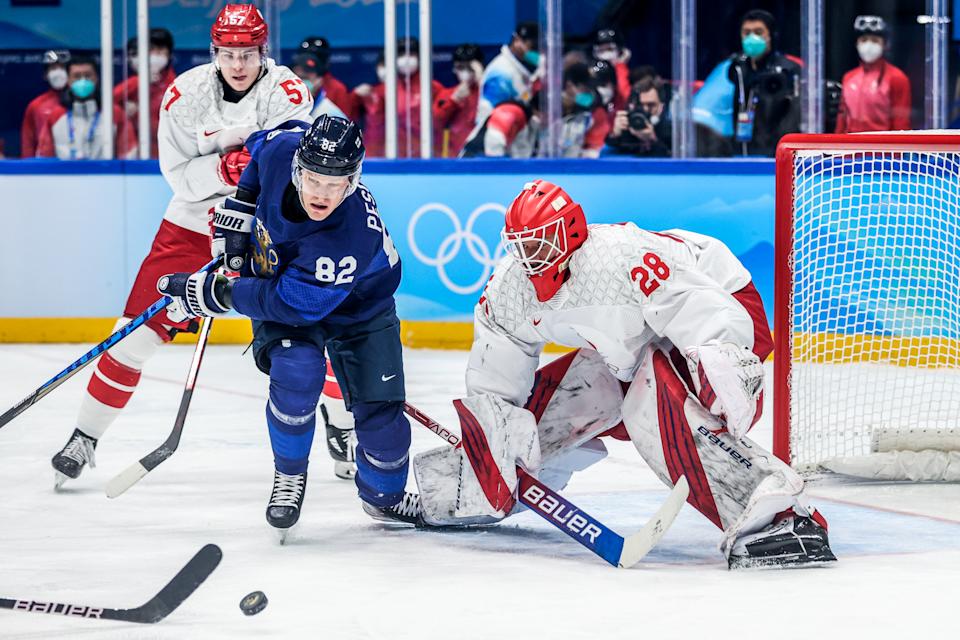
x=126, y=479
x=639, y=544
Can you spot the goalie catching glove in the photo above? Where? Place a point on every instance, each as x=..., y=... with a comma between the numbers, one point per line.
x=196, y=294
x=728, y=379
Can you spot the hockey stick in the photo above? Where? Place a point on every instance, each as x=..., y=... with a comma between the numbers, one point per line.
x=575, y=522
x=156, y=609
x=135, y=472
x=74, y=367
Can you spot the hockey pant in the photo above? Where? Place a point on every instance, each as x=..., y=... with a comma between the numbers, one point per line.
x=118, y=371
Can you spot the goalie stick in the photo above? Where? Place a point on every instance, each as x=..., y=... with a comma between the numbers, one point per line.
x=135, y=472
x=578, y=524
x=74, y=367
x=156, y=609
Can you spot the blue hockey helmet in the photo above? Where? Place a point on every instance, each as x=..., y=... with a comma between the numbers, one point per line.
x=332, y=147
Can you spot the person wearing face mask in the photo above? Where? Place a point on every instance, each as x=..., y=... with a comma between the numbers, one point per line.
x=643, y=128
x=510, y=75
x=876, y=94
x=604, y=80
x=455, y=108
x=73, y=130
x=369, y=105
x=162, y=75
x=608, y=46
x=766, y=96
x=309, y=67
x=39, y=109
x=324, y=82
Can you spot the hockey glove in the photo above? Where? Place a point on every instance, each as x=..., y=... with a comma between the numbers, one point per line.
x=196, y=294
x=230, y=228
x=231, y=166
x=728, y=379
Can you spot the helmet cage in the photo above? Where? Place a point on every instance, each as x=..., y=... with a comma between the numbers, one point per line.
x=538, y=249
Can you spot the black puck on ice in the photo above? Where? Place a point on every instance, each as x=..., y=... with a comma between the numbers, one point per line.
x=253, y=603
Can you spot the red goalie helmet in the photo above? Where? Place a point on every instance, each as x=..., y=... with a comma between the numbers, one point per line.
x=239, y=25
x=543, y=227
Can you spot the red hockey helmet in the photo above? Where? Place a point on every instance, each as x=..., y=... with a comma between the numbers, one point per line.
x=543, y=227
x=239, y=25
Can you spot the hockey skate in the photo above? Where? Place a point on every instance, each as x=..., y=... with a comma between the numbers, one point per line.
x=791, y=540
x=70, y=460
x=283, y=511
x=407, y=511
x=341, y=443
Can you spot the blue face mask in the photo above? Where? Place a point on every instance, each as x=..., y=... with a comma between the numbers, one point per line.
x=753, y=45
x=532, y=58
x=82, y=88
x=584, y=100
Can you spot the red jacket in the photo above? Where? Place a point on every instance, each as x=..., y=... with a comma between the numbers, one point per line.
x=371, y=108
x=67, y=134
x=125, y=97
x=457, y=117
x=876, y=97
x=34, y=119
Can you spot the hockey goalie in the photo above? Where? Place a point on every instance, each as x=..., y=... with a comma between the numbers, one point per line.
x=670, y=336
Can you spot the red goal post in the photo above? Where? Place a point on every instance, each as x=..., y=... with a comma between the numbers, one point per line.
x=867, y=302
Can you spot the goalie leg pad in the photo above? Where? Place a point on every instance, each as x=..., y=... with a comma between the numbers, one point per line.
x=479, y=482
x=738, y=485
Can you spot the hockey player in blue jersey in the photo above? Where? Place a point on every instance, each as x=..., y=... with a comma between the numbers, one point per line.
x=321, y=272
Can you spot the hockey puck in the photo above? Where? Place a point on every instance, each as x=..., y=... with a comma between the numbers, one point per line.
x=253, y=603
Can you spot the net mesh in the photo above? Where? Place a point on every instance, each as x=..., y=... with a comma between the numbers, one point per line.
x=875, y=302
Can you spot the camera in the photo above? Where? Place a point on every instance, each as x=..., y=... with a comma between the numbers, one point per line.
x=637, y=119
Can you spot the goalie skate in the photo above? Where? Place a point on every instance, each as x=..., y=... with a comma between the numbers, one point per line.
x=69, y=461
x=792, y=540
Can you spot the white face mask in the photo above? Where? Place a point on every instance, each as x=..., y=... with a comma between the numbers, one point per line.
x=464, y=76
x=57, y=78
x=608, y=54
x=606, y=94
x=158, y=62
x=407, y=65
x=654, y=120
x=381, y=73
x=869, y=51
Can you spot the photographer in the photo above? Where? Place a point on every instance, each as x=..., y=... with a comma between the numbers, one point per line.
x=766, y=95
x=643, y=129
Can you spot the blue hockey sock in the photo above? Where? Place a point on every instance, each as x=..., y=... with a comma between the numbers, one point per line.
x=383, y=443
x=296, y=378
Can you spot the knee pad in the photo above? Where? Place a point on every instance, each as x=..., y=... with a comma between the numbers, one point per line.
x=138, y=347
x=296, y=374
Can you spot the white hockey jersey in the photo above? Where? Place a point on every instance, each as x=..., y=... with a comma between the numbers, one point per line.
x=197, y=126
x=627, y=289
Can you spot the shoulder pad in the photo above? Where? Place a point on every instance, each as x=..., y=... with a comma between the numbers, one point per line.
x=191, y=94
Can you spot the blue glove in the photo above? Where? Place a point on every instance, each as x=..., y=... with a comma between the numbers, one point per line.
x=196, y=294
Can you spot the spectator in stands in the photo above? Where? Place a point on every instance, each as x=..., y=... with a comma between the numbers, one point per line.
x=510, y=75
x=766, y=96
x=605, y=83
x=643, y=128
x=308, y=67
x=876, y=94
x=369, y=106
x=455, y=108
x=608, y=46
x=324, y=82
x=514, y=128
x=125, y=94
x=73, y=130
x=35, y=117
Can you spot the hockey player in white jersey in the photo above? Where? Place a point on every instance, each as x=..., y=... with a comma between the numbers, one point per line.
x=671, y=335
x=205, y=117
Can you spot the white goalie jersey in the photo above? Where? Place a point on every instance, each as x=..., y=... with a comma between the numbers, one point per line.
x=197, y=126
x=628, y=288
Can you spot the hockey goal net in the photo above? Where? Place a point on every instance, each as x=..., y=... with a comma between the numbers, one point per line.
x=867, y=317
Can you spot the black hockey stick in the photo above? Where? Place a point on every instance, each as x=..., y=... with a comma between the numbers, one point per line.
x=135, y=472
x=74, y=367
x=156, y=609
x=620, y=551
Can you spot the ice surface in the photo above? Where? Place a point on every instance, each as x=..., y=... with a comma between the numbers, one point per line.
x=344, y=576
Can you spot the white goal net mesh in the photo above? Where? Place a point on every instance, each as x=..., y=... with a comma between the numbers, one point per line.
x=875, y=302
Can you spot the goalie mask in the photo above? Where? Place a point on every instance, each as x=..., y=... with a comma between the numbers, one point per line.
x=543, y=227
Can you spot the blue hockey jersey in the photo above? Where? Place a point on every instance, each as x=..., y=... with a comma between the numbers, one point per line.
x=341, y=270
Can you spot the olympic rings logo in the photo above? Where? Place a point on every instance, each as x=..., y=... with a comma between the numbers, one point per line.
x=452, y=244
